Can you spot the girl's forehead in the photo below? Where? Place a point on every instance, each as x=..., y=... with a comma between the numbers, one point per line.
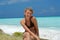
x=28, y=11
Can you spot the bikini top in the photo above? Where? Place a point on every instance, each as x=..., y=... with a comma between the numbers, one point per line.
x=31, y=24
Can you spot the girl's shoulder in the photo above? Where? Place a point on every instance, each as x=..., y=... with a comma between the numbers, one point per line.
x=33, y=18
x=23, y=20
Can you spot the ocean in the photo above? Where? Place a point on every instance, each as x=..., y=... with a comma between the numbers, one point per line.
x=49, y=27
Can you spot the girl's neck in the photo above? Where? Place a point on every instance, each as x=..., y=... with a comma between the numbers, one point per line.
x=27, y=19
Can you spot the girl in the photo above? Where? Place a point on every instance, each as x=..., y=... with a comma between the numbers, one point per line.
x=29, y=23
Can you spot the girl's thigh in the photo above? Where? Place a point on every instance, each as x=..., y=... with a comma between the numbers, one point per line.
x=26, y=35
x=32, y=38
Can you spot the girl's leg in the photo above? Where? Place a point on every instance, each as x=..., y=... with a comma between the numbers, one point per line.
x=32, y=38
x=26, y=36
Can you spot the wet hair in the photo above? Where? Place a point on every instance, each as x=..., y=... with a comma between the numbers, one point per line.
x=30, y=9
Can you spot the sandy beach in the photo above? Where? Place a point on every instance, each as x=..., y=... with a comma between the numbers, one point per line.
x=45, y=34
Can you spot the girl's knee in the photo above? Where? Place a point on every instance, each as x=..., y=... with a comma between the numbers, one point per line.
x=26, y=33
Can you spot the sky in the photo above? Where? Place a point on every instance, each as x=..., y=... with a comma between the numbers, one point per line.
x=42, y=8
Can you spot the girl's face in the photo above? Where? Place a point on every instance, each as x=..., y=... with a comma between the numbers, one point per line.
x=28, y=13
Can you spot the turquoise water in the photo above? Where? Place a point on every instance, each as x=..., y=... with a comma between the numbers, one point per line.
x=45, y=22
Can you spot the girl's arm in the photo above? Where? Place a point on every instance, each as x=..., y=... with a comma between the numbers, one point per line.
x=36, y=26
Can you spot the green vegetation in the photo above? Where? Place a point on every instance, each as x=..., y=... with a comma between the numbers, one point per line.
x=14, y=36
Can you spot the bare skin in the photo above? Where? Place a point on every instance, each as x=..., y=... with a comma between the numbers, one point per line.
x=33, y=32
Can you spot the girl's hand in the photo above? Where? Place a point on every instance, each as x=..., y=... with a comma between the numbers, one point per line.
x=37, y=37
